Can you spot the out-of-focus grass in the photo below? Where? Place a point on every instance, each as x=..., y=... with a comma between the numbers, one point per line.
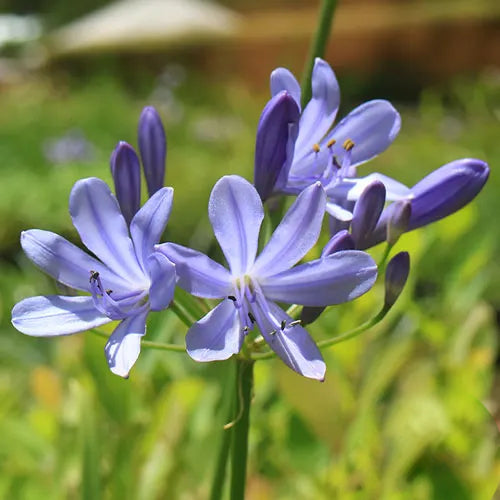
x=399, y=416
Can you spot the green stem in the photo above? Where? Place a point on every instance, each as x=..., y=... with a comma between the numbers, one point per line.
x=182, y=313
x=243, y=395
x=318, y=46
x=383, y=261
x=147, y=344
x=216, y=492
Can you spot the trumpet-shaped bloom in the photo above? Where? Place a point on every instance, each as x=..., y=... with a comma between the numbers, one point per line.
x=253, y=285
x=128, y=281
x=331, y=156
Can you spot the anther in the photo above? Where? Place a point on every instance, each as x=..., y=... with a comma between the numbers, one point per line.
x=330, y=143
x=93, y=276
x=232, y=297
x=245, y=329
x=272, y=333
x=109, y=291
x=252, y=317
x=316, y=148
x=348, y=144
x=283, y=325
x=295, y=323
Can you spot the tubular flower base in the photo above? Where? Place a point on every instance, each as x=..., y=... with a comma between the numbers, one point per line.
x=253, y=285
x=126, y=283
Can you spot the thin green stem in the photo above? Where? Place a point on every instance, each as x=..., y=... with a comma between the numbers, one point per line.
x=383, y=261
x=216, y=492
x=147, y=344
x=318, y=46
x=239, y=451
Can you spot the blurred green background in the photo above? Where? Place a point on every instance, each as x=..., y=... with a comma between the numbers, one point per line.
x=407, y=410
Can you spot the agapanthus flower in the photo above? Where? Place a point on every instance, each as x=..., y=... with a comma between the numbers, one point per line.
x=128, y=281
x=254, y=285
x=331, y=156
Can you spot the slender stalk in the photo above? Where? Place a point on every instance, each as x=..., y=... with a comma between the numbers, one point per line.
x=147, y=344
x=239, y=451
x=383, y=261
x=216, y=492
x=182, y=313
x=318, y=46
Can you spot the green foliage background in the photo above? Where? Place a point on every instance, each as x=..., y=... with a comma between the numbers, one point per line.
x=401, y=414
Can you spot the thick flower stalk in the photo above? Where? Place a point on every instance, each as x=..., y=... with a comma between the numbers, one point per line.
x=128, y=281
x=253, y=285
x=331, y=156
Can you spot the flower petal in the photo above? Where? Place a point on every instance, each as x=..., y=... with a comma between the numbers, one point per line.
x=372, y=127
x=216, y=336
x=395, y=191
x=162, y=274
x=55, y=315
x=283, y=79
x=293, y=344
x=334, y=279
x=102, y=228
x=338, y=212
x=65, y=262
x=124, y=345
x=320, y=112
x=235, y=211
x=149, y=223
x=296, y=234
x=196, y=273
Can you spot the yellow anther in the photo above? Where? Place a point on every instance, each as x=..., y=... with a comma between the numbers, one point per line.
x=316, y=148
x=348, y=144
x=330, y=143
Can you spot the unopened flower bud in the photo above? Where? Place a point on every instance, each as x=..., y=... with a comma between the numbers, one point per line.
x=338, y=242
x=367, y=212
x=153, y=148
x=396, y=275
x=276, y=135
x=398, y=221
x=126, y=172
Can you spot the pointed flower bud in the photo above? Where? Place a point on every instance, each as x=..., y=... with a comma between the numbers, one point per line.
x=447, y=190
x=276, y=135
x=338, y=242
x=153, y=148
x=126, y=172
x=367, y=212
x=398, y=221
x=396, y=275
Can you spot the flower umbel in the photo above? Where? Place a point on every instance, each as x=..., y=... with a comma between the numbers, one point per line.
x=254, y=284
x=128, y=281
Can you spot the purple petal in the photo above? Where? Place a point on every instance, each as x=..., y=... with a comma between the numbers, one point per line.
x=149, y=223
x=276, y=134
x=283, y=79
x=293, y=344
x=394, y=190
x=153, y=148
x=398, y=223
x=339, y=241
x=367, y=211
x=235, y=211
x=338, y=212
x=65, y=262
x=198, y=274
x=297, y=233
x=162, y=274
x=321, y=110
x=372, y=127
x=124, y=345
x=56, y=315
x=334, y=279
x=217, y=335
x=126, y=172
x=102, y=228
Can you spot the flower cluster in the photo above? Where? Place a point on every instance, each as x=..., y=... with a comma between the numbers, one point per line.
x=297, y=153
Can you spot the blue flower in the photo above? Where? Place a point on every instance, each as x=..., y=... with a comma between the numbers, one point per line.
x=128, y=281
x=331, y=156
x=252, y=287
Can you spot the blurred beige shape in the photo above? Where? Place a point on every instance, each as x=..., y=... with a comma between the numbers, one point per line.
x=143, y=25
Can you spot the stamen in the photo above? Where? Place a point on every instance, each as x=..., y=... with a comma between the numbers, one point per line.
x=252, y=317
x=295, y=323
x=316, y=148
x=245, y=329
x=283, y=324
x=330, y=143
x=232, y=297
x=348, y=144
x=109, y=291
x=272, y=333
x=94, y=275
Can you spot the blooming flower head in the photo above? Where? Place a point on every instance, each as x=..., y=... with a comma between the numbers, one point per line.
x=253, y=285
x=128, y=281
x=331, y=156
